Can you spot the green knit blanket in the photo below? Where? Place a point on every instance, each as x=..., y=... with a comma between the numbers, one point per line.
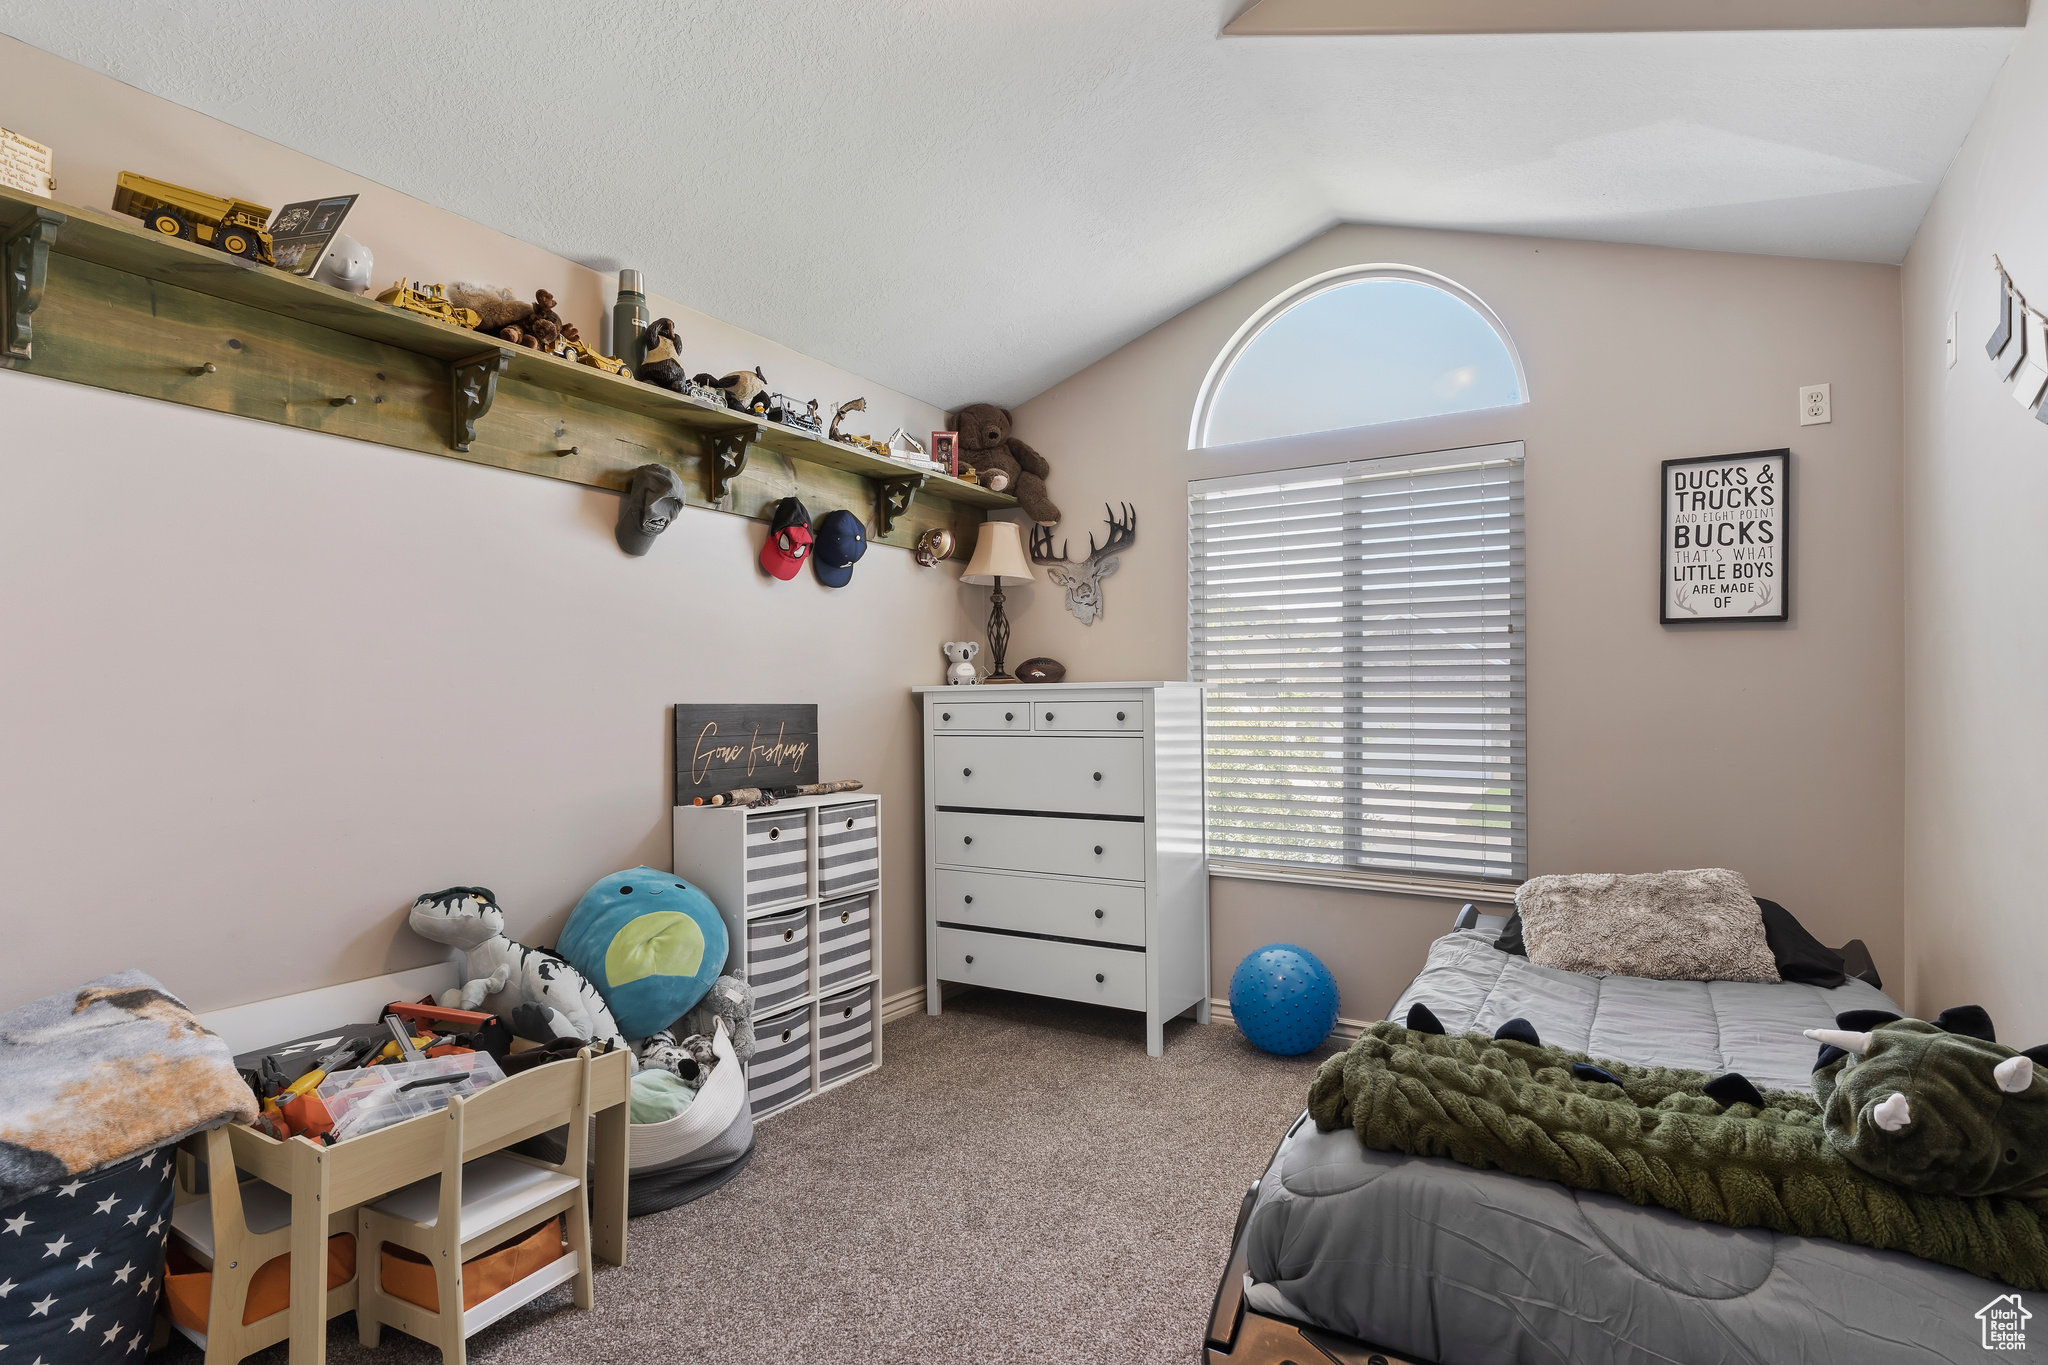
x=1656, y=1139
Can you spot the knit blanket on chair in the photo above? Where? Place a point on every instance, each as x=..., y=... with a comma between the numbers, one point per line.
x=1654, y=1137
x=96, y=1075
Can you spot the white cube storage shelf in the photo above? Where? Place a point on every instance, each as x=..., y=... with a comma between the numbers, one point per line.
x=1066, y=845
x=797, y=884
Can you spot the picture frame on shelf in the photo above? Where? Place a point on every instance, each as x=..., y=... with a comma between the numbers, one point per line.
x=945, y=451
x=1726, y=538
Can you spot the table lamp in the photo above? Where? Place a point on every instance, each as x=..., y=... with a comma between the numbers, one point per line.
x=998, y=559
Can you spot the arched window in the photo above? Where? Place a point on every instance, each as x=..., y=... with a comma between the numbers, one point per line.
x=1353, y=348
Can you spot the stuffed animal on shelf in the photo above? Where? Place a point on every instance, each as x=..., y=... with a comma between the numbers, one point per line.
x=496, y=308
x=1002, y=462
x=661, y=367
x=745, y=390
x=1941, y=1108
x=960, y=662
x=507, y=978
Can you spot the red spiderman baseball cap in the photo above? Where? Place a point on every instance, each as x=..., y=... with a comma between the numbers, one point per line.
x=789, y=539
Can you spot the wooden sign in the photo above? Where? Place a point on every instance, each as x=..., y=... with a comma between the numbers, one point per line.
x=1727, y=538
x=722, y=747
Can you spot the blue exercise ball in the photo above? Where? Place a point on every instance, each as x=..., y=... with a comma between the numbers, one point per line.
x=1283, y=999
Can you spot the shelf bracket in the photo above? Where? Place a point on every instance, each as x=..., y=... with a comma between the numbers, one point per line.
x=892, y=500
x=26, y=250
x=728, y=459
x=475, y=383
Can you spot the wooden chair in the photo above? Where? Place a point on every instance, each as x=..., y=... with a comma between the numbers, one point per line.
x=233, y=1230
x=484, y=1196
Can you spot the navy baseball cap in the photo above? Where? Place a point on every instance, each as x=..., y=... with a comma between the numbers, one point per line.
x=837, y=541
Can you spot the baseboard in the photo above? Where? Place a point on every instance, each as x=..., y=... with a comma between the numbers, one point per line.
x=903, y=1004
x=262, y=1022
x=1344, y=1034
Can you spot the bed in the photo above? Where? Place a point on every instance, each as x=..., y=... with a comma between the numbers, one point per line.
x=1343, y=1254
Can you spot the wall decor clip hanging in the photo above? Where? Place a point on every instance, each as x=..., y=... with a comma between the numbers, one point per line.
x=2019, y=345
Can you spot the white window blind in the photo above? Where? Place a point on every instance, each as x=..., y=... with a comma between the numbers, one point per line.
x=1360, y=629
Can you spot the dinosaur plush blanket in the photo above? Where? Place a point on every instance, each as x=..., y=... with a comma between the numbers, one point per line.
x=1653, y=1136
x=96, y=1075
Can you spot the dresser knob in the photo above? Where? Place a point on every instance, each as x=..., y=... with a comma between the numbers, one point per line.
x=967, y=772
x=948, y=715
x=968, y=840
x=1119, y=715
x=1048, y=715
x=1098, y=978
x=1098, y=777
x=1098, y=914
x=970, y=959
x=968, y=899
x=1008, y=716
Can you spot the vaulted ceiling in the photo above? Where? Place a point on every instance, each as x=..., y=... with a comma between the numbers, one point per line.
x=972, y=199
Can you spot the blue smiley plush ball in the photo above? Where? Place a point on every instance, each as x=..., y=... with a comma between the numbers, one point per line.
x=650, y=942
x=1283, y=999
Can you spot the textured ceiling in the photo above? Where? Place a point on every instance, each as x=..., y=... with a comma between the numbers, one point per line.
x=972, y=199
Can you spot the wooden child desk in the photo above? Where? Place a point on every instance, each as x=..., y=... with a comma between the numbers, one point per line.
x=322, y=1179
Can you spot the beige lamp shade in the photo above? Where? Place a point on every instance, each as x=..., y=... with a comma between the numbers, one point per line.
x=998, y=557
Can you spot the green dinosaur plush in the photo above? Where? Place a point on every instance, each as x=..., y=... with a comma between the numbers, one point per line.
x=1941, y=1108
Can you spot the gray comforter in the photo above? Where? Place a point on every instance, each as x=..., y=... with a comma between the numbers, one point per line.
x=1467, y=1267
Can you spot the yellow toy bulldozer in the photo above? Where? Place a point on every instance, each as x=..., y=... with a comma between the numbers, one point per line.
x=230, y=225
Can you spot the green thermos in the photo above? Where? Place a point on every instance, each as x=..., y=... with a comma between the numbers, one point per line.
x=629, y=323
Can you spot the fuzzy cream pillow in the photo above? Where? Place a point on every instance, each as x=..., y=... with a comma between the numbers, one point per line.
x=1701, y=925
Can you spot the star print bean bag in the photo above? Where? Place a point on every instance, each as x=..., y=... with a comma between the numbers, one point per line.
x=91, y=1077
x=650, y=942
x=81, y=1264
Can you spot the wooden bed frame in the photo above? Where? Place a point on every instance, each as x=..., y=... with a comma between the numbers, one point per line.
x=1241, y=1335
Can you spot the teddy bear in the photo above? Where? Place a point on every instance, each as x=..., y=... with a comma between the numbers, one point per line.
x=1004, y=463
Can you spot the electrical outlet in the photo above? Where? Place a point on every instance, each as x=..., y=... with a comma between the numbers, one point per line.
x=1951, y=341
x=1814, y=406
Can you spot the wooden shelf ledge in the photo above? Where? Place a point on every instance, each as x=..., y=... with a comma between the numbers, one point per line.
x=96, y=298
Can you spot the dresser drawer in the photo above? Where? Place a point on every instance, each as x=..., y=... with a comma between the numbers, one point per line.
x=1092, y=776
x=1069, y=971
x=980, y=715
x=1039, y=843
x=1041, y=905
x=1088, y=715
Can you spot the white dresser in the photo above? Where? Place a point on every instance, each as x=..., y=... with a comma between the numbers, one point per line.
x=1066, y=844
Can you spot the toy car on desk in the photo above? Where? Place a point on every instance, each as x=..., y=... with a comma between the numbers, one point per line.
x=430, y=302
x=231, y=225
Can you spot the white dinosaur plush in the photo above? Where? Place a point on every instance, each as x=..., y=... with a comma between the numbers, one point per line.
x=507, y=978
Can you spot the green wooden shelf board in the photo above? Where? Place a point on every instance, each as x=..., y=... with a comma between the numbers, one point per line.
x=131, y=310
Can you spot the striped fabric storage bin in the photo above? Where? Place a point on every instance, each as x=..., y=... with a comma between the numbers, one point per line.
x=778, y=857
x=849, y=856
x=780, y=1073
x=846, y=1034
x=779, y=959
x=845, y=948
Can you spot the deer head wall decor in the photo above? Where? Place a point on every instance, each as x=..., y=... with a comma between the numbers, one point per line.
x=1083, y=578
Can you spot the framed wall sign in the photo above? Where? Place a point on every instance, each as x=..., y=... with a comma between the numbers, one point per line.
x=722, y=747
x=1727, y=538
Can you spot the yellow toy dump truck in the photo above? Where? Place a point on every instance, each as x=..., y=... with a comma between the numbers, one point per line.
x=231, y=225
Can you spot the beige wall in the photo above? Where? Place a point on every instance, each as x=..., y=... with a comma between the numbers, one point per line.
x=1773, y=749
x=261, y=687
x=1977, y=646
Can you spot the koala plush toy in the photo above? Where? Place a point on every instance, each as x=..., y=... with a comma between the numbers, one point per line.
x=960, y=662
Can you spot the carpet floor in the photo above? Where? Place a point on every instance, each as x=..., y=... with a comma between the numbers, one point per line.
x=1018, y=1182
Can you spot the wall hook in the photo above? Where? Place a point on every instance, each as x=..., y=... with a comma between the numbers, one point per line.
x=347, y=402
x=207, y=368
x=572, y=450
